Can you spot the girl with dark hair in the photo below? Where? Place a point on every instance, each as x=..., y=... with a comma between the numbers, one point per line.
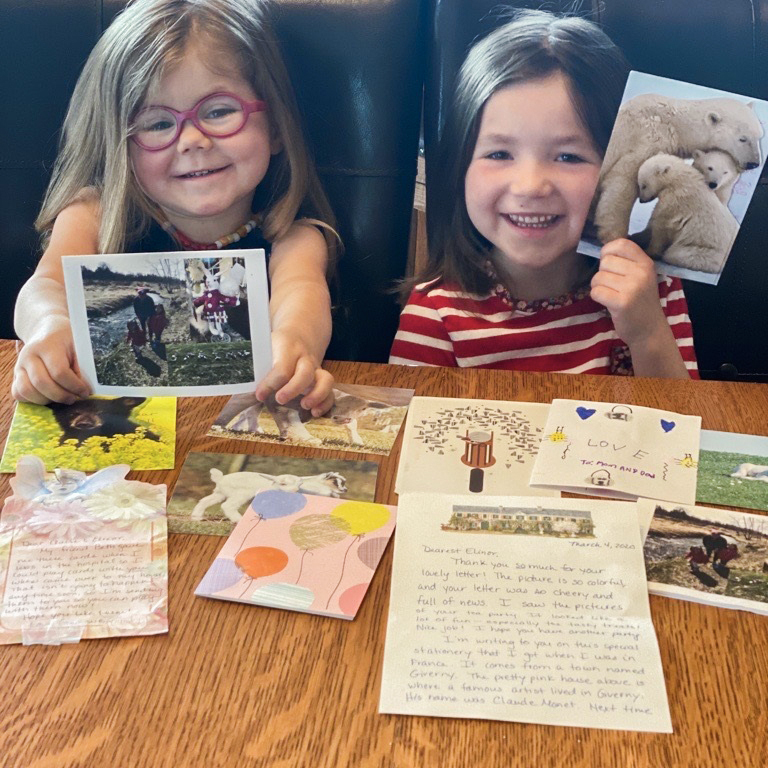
x=518, y=166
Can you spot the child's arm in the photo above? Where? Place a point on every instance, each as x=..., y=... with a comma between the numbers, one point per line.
x=300, y=311
x=626, y=285
x=46, y=368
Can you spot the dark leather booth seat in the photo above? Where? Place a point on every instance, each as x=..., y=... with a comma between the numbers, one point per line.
x=357, y=68
x=718, y=43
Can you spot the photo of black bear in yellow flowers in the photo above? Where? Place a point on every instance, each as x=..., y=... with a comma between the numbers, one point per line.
x=95, y=432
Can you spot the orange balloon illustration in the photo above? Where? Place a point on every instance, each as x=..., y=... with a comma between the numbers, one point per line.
x=256, y=562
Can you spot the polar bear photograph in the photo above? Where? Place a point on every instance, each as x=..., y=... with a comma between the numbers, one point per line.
x=649, y=124
x=720, y=171
x=708, y=145
x=689, y=226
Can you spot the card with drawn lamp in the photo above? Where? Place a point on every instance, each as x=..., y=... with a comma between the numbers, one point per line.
x=188, y=323
x=707, y=555
x=81, y=557
x=301, y=553
x=522, y=609
x=682, y=193
x=619, y=451
x=471, y=446
x=94, y=433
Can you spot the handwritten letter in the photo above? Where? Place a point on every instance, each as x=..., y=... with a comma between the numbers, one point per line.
x=521, y=609
x=86, y=563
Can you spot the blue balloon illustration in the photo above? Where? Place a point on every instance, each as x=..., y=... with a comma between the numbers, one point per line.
x=275, y=503
x=222, y=574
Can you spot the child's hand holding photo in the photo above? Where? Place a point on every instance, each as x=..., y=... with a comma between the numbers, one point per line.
x=301, y=322
x=627, y=286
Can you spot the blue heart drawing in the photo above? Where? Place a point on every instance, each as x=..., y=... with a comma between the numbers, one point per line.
x=584, y=413
x=667, y=426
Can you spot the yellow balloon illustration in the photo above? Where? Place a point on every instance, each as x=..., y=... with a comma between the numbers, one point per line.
x=359, y=517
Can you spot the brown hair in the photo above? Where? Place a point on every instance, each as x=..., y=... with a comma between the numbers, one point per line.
x=534, y=45
x=147, y=38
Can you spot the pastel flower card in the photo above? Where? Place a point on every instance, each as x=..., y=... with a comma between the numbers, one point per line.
x=81, y=557
x=303, y=553
x=619, y=451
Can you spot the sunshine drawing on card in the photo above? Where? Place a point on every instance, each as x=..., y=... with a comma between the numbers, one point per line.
x=618, y=450
x=301, y=553
x=81, y=557
x=170, y=323
x=476, y=446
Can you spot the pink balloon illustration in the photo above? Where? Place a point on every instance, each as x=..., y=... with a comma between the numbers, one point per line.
x=350, y=599
x=256, y=562
x=370, y=551
x=357, y=518
x=314, y=532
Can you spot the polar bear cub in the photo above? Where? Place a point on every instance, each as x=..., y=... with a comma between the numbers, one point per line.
x=689, y=227
x=649, y=124
x=719, y=170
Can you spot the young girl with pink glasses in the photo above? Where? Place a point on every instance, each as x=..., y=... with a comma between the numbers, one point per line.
x=183, y=133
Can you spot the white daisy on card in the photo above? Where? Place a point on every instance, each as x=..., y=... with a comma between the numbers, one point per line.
x=62, y=522
x=126, y=500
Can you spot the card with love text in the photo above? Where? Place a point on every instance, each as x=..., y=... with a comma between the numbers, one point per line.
x=619, y=451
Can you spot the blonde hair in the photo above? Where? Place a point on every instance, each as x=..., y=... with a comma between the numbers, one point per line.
x=147, y=38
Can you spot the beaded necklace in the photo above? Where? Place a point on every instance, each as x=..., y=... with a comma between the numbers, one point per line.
x=192, y=245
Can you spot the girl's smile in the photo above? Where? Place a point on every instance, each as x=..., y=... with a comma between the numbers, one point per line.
x=204, y=184
x=530, y=183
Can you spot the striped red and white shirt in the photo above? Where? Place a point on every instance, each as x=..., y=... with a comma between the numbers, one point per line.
x=569, y=334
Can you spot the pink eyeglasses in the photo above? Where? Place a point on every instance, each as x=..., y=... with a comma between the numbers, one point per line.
x=218, y=115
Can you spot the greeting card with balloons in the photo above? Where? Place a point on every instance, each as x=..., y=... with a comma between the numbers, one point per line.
x=619, y=451
x=299, y=552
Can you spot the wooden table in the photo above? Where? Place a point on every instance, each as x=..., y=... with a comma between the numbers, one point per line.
x=239, y=686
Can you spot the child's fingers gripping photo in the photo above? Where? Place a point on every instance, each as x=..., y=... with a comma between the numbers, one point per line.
x=296, y=373
x=626, y=285
x=46, y=371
